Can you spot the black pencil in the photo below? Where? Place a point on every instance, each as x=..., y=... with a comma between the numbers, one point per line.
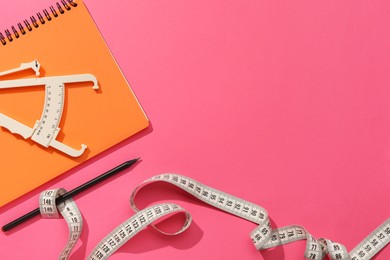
x=71, y=193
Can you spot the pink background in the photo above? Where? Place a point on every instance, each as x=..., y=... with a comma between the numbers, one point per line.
x=282, y=103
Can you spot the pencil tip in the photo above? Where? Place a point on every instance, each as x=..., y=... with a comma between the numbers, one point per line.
x=133, y=161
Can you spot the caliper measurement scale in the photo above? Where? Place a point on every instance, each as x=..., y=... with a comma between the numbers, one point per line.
x=45, y=130
x=47, y=127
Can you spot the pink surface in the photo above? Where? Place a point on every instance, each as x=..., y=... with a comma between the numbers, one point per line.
x=285, y=104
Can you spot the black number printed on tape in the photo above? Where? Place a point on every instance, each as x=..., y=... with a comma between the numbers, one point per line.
x=263, y=236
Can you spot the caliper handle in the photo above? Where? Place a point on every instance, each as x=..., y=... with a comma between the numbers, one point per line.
x=15, y=127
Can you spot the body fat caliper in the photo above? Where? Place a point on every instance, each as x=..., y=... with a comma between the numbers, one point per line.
x=45, y=130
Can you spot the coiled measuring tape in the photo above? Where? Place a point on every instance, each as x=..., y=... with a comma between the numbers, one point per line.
x=70, y=212
x=263, y=236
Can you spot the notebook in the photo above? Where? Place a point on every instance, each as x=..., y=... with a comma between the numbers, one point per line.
x=63, y=97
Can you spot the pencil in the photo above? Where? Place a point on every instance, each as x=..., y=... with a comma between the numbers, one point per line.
x=71, y=193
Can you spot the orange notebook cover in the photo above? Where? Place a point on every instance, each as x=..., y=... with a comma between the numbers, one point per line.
x=66, y=42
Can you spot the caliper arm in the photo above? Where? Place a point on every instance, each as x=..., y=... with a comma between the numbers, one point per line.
x=18, y=83
x=34, y=65
x=15, y=127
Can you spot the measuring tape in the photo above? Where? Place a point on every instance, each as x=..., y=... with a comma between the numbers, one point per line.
x=70, y=212
x=134, y=225
x=263, y=236
x=46, y=129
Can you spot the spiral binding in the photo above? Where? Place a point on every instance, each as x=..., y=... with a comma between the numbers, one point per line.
x=35, y=21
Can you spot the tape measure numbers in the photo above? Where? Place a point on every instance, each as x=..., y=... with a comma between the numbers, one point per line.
x=68, y=210
x=131, y=227
x=45, y=130
x=263, y=236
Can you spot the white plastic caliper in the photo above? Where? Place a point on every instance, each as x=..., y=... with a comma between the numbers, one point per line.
x=45, y=130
